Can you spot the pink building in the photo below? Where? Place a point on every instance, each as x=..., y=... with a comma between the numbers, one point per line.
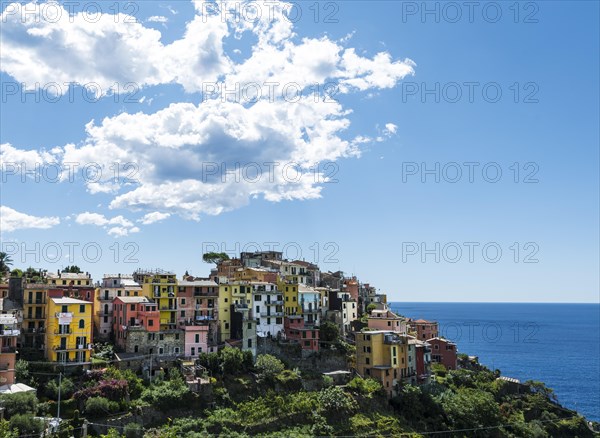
x=307, y=337
x=196, y=340
x=425, y=329
x=134, y=312
x=443, y=351
x=385, y=319
x=9, y=333
x=423, y=359
x=198, y=300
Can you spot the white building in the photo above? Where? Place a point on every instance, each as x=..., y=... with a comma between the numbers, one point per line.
x=112, y=286
x=268, y=306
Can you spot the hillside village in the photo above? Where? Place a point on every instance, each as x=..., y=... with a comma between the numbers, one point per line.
x=140, y=349
x=155, y=318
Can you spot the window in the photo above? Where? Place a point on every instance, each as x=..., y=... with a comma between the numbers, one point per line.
x=193, y=351
x=176, y=350
x=197, y=338
x=150, y=322
x=303, y=334
x=389, y=323
x=81, y=323
x=367, y=360
x=293, y=298
x=227, y=326
x=160, y=351
x=135, y=348
x=257, y=298
x=183, y=313
x=65, y=309
x=132, y=307
x=307, y=343
x=278, y=321
x=287, y=298
x=106, y=319
x=161, y=337
x=249, y=326
x=249, y=343
x=226, y=300
x=183, y=301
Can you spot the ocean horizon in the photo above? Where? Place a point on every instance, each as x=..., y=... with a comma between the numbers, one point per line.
x=555, y=343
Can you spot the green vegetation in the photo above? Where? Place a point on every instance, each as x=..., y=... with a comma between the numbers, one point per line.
x=240, y=398
x=215, y=257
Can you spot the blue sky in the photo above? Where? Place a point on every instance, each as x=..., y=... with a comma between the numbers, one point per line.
x=382, y=208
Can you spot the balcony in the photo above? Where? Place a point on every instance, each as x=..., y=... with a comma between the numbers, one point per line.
x=72, y=348
x=8, y=350
x=10, y=332
x=271, y=314
x=36, y=301
x=310, y=310
x=168, y=308
x=34, y=330
x=274, y=303
x=63, y=332
x=37, y=316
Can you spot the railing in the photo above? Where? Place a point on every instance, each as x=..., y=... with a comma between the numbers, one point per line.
x=8, y=350
x=63, y=332
x=274, y=303
x=36, y=301
x=67, y=348
x=36, y=316
x=168, y=308
x=273, y=314
x=13, y=332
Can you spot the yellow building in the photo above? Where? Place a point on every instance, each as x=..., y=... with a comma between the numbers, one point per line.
x=382, y=355
x=160, y=286
x=290, y=297
x=237, y=294
x=69, y=330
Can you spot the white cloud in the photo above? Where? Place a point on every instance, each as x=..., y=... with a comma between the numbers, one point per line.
x=12, y=220
x=155, y=216
x=391, y=128
x=117, y=226
x=158, y=19
x=173, y=146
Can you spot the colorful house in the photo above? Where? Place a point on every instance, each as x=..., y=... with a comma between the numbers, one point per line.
x=9, y=333
x=382, y=355
x=424, y=329
x=443, y=351
x=112, y=286
x=69, y=330
x=384, y=319
x=295, y=330
x=268, y=306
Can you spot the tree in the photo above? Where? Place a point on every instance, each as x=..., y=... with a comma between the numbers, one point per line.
x=232, y=360
x=26, y=424
x=5, y=262
x=215, y=257
x=6, y=431
x=371, y=307
x=469, y=407
x=329, y=332
x=268, y=367
x=22, y=372
x=19, y=403
x=67, y=388
x=72, y=269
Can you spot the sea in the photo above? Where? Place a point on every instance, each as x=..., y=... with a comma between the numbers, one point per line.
x=558, y=344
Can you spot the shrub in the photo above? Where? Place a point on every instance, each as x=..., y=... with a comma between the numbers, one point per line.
x=268, y=367
x=334, y=401
x=26, y=424
x=366, y=387
x=133, y=430
x=97, y=406
x=19, y=403
x=67, y=388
